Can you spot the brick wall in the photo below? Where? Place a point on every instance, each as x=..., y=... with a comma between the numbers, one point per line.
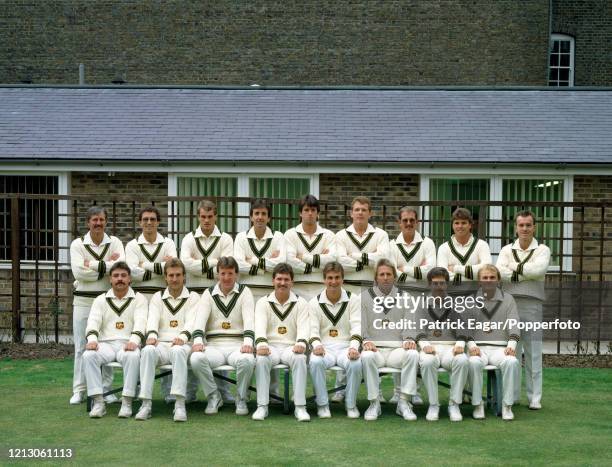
x=288, y=42
x=587, y=236
x=145, y=187
x=387, y=192
x=590, y=23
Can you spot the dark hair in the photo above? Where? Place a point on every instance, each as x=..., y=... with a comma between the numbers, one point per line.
x=333, y=266
x=150, y=209
x=525, y=214
x=259, y=204
x=120, y=265
x=174, y=263
x=438, y=271
x=310, y=201
x=463, y=214
x=207, y=205
x=227, y=262
x=282, y=268
x=95, y=211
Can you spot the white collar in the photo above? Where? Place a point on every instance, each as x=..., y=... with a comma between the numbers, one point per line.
x=184, y=294
x=215, y=233
x=467, y=245
x=351, y=229
x=130, y=294
x=272, y=298
x=300, y=229
x=88, y=241
x=268, y=234
x=417, y=238
x=217, y=290
x=142, y=240
x=343, y=298
x=532, y=246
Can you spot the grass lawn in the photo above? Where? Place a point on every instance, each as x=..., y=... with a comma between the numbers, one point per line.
x=575, y=427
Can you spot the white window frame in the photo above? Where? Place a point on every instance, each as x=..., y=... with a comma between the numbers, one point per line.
x=570, y=39
x=242, y=188
x=495, y=194
x=63, y=189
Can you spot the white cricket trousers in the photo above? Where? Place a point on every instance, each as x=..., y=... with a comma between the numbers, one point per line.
x=507, y=364
x=405, y=360
x=111, y=351
x=299, y=372
x=215, y=355
x=79, y=326
x=529, y=310
x=456, y=365
x=335, y=354
x=164, y=353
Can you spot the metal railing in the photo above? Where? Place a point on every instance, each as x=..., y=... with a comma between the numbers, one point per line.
x=38, y=301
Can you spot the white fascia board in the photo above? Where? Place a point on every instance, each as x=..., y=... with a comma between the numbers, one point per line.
x=270, y=168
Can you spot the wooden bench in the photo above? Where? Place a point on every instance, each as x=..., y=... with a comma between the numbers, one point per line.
x=493, y=397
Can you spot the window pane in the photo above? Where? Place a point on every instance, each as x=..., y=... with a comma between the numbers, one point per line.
x=549, y=219
x=565, y=47
x=37, y=217
x=284, y=216
x=207, y=187
x=555, y=46
x=455, y=191
x=565, y=60
x=554, y=74
x=554, y=60
x=564, y=74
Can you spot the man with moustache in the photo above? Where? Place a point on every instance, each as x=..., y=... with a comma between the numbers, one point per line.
x=282, y=329
x=115, y=332
x=91, y=257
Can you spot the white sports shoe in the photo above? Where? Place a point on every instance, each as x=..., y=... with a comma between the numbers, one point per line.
x=98, y=410
x=144, y=413
x=433, y=413
x=111, y=399
x=301, y=414
x=214, y=403
x=180, y=413
x=352, y=412
x=77, y=398
x=507, y=412
x=417, y=399
x=404, y=410
x=126, y=408
x=373, y=411
x=261, y=413
x=454, y=413
x=479, y=411
x=241, y=407
x=323, y=411
x=381, y=398
x=535, y=405
x=338, y=396
x=395, y=398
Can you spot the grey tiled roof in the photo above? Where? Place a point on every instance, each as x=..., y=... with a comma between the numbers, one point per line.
x=455, y=126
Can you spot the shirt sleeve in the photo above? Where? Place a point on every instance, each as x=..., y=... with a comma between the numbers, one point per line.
x=155, y=308
x=193, y=266
x=248, y=316
x=503, y=263
x=94, y=321
x=77, y=264
x=537, y=267
x=203, y=307
x=261, y=323
x=348, y=263
x=278, y=243
x=382, y=248
x=132, y=258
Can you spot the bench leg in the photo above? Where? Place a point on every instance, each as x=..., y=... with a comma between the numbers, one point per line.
x=489, y=388
x=286, y=391
x=498, y=393
x=89, y=403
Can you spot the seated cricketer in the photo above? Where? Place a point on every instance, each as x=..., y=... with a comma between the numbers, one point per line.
x=169, y=328
x=441, y=346
x=282, y=329
x=226, y=318
x=491, y=343
x=115, y=331
x=335, y=329
x=382, y=342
